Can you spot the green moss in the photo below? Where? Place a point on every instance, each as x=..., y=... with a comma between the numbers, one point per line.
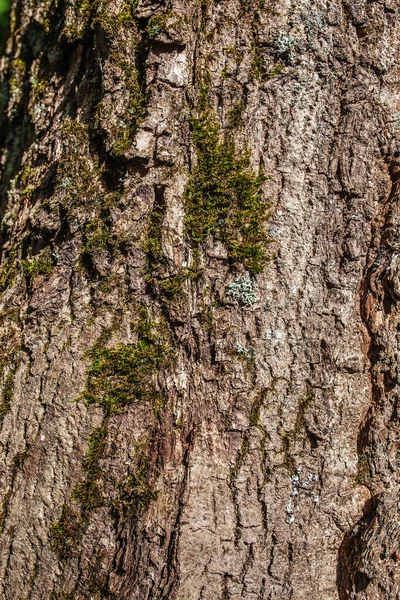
x=87, y=495
x=82, y=20
x=17, y=75
x=258, y=68
x=88, y=491
x=363, y=475
x=153, y=245
x=78, y=175
x=235, y=115
x=165, y=286
x=122, y=375
x=7, y=395
x=8, y=272
x=110, y=21
x=240, y=459
x=130, y=64
x=223, y=198
x=42, y=265
x=276, y=70
x=65, y=533
x=17, y=465
x=98, y=238
x=136, y=492
x=117, y=377
x=254, y=419
x=96, y=583
x=39, y=86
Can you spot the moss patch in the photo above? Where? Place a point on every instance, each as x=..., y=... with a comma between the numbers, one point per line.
x=135, y=492
x=7, y=395
x=88, y=492
x=129, y=64
x=122, y=375
x=363, y=475
x=66, y=532
x=8, y=272
x=223, y=198
x=117, y=377
x=40, y=265
x=77, y=173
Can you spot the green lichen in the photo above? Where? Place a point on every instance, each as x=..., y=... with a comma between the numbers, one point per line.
x=223, y=198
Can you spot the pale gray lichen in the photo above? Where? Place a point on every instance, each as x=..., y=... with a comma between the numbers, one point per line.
x=243, y=291
x=243, y=351
x=284, y=44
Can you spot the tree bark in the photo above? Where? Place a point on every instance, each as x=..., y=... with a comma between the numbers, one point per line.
x=200, y=285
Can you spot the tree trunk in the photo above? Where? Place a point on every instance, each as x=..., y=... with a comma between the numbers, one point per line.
x=200, y=286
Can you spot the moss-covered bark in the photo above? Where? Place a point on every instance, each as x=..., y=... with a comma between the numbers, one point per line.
x=199, y=300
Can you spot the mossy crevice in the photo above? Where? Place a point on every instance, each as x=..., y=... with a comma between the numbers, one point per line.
x=166, y=286
x=304, y=405
x=8, y=272
x=7, y=395
x=300, y=429
x=136, y=493
x=39, y=265
x=139, y=34
x=88, y=492
x=117, y=378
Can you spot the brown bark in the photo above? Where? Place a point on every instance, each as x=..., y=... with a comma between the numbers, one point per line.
x=164, y=435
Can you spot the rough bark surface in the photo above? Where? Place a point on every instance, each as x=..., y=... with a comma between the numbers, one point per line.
x=164, y=432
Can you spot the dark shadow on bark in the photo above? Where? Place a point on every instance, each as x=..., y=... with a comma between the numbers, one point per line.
x=350, y=578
